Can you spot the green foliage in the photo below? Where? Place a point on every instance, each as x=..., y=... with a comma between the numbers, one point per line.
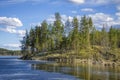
x=80, y=37
x=58, y=30
x=9, y=52
x=75, y=35
x=113, y=37
x=86, y=27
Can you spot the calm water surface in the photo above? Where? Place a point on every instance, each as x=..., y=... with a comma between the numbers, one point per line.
x=12, y=68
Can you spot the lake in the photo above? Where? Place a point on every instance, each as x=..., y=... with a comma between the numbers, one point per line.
x=12, y=68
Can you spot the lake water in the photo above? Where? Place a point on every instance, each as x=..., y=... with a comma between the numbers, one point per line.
x=12, y=68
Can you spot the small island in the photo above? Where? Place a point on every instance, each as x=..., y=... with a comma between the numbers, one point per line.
x=75, y=41
x=6, y=52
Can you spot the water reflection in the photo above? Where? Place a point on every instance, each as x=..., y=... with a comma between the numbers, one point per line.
x=86, y=72
x=12, y=68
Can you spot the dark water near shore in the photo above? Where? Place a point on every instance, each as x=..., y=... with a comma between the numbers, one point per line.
x=12, y=68
x=83, y=72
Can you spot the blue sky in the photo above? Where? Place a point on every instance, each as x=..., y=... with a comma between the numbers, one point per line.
x=18, y=15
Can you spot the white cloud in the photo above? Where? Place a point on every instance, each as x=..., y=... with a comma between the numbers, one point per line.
x=77, y=1
x=12, y=46
x=70, y=18
x=21, y=32
x=51, y=19
x=99, y=1
x=96, y=2
x=87, y=10
x=103, y=2
x=10, y=30
x=101, y=19
x=64, y=18
x=35, y=24
x=10, y=25
x=92, y=2
x=118, y=14
x=13, y=22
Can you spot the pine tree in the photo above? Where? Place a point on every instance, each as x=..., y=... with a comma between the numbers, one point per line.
x=38, y=38
x=92, y=37
x=75, y=35
x=113, y=37
x=58, y=30
x=118, y=38
x=85, y=30
x=25, y=43
x=44, y=35
x=32, y=40
x=104, y=40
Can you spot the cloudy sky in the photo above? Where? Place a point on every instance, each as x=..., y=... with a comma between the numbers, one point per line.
x=18, y=15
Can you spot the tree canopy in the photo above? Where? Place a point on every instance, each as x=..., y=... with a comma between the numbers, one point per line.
x=73, y=35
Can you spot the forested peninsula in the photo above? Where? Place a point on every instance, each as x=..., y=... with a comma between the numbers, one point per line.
x=6, y=52
x=75, y=40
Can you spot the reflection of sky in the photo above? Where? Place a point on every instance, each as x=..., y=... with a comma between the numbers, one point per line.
x=14, y=69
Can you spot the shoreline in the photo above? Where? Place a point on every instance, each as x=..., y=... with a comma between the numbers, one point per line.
x=91, y=56
x=105, y=63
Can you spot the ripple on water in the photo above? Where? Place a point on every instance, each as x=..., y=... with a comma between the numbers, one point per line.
x=12, y=68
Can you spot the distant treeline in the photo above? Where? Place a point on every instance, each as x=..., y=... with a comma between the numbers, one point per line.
x=74, y=35
x=9, y=52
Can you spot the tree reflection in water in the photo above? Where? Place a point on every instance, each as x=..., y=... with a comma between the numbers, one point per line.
x=87, y=72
